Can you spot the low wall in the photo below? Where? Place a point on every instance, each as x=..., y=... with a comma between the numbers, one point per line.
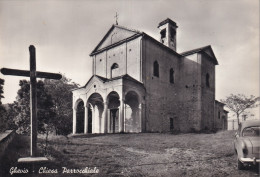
x=5, y=139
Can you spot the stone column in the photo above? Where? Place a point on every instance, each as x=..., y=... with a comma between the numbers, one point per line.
x=94, y=121
x=143, y=117
x=86, y=120
x=140, y=117
x=108, y=121
x=74, y=124
x=121, y=116
x=134, y=116
x=105, y=117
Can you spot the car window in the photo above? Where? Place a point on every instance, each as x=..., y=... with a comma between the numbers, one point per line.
x=251, y=131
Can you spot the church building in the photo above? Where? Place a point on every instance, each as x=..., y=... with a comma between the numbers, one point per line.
x=140, y=84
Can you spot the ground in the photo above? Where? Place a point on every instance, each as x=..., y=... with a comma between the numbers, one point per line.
x=145, y=154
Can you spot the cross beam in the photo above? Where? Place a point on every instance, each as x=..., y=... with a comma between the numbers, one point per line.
x=33, y=74
x=17, y=72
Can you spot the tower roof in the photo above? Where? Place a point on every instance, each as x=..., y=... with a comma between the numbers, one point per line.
x=167, y=21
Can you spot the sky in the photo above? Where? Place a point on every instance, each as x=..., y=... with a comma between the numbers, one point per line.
x=65, y=32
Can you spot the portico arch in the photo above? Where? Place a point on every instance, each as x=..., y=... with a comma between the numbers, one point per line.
x=80, y=114
x=132, y=112
x=113, y=103
x=95, y=107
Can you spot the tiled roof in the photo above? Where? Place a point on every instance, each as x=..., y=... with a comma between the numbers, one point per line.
x=202, y=49
x=190, y=52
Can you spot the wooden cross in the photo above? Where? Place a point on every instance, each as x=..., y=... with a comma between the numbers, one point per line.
x=116, y=18
x=33, y=74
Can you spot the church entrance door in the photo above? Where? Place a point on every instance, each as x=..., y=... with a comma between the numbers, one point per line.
x=114, y=120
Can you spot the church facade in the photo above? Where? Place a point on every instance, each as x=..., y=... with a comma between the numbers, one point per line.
x=140, y=84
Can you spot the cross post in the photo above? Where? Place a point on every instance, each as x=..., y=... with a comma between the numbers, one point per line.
x=33, y=74
x=33, y=101
x=116, y=18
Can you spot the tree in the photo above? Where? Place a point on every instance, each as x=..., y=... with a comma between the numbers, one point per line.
x=3, y=125
x=7, y=112
x=54, y=107
x=60, y=90
x=2, y=81
x=45, y=112
x=239, y=103
x=10, y=114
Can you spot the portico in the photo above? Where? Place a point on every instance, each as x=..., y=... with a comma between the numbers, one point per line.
x=108, y=106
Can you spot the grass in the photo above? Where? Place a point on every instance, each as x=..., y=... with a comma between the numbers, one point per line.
x=144, y=154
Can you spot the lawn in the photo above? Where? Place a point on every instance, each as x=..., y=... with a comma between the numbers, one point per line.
x=144, y=154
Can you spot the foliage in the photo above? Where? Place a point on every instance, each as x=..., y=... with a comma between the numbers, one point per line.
x=45, y=112
x=54, y=107
x=239, y=103
x=2, y=81
x=60, y=90
x=2, y=119
x=7, y=113
x=2, y=109
x=6, y=122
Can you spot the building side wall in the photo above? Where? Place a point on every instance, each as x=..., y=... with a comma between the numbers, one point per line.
x=220, y=117
x=190, y=93
x=208, y=93
x=161, y=95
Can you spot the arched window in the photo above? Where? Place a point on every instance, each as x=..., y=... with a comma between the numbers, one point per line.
x=114, y=70
x=114, y=66
x=156, y=69
x=171, y=76
x=207, y=79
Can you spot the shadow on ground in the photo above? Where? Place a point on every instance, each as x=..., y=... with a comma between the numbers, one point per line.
x=20, y=147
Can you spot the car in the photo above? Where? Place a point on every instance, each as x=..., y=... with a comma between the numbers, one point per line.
x=247, y=143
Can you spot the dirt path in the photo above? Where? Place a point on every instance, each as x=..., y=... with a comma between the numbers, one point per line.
x=157, y=154
x=145, y=154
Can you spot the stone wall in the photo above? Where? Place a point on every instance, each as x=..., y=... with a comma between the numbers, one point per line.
x=5, y=139
x=187, y=101
x=208, y=92
x=221, y=116
x=190, y=94
x=161, y=95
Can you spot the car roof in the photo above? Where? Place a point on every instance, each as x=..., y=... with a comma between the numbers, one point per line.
x=250, y=123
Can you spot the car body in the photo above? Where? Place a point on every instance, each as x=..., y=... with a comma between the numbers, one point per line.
x=247, y=143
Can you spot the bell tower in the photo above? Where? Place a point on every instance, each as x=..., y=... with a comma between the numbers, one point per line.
x=168, y=33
